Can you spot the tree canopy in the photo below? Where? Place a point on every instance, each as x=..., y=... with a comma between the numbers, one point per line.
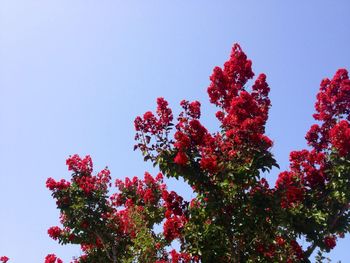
x=235, y=216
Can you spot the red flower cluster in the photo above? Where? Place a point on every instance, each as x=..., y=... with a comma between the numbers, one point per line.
x=181, y=158
x=164, y=112
x=158, y=127
x=297, y=250
x=177, y=257
x=78, y=165
x=290, y=184
x=245, y=121
x=4, y=259
x=146, y=199
x=333, y=103
x=138, y=192
x=333, y=100
x=149, y=192
x=150, y=123
x=182, y=257
x=86, y=183
x=54, y=232
x=228, y=82
x=330, y=242
x=82, y=169
x=243, y=115
x=175, y=215
x=190, y=132
x=191, y=109
x=51, y=258
x=309, y=166
x=172, y=228
x=340, y=137
x=313, y=174
x=60, y=185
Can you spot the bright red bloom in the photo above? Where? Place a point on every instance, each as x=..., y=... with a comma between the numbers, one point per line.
x=173, y=227
x=183, y=142
x=280, y=241
x=332, y=106
x=181, y=158
x=209, y=163
x=225, y=84
x=60, y=185
x=293, y=191
x=314, y=137
x=87, y=184
x=54, y=232
x=194, y=109
x=330, y=242
x=78, y=165
x=310, y=166
x=181, y=257
x=164, y=112
x=51, y=258
x=340, y=137
x=333, y=99
x=4, y=259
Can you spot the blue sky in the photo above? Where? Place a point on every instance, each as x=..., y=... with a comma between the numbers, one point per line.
x=74, y=74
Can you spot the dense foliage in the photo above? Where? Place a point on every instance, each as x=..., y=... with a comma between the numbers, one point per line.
x=236, y=216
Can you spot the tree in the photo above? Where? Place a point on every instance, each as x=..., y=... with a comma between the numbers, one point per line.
x=236, y=216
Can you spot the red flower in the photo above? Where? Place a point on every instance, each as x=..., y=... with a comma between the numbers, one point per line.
x=292, y=190
x=298, y=251
x=280, y=241
x=51, y=258
x=54, y=232
x=4, y=259
x=209, y=164
x=78, y=165
x=53, y=185
x=164, y=113
x=330, y=242
x=181, y=158
x=173, y=227
x=226, y=83
x=183, y=142
x=340, y=137
x=194, y=109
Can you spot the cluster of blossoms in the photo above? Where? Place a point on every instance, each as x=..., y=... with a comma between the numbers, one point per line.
x=175, y=214
x=235, y=215
x=110, y=228
x=340, y=137
x=51, y=258
x=151, y=126
x=243, y=114
x=317, y=178
x=332, y=110
x=224, y=168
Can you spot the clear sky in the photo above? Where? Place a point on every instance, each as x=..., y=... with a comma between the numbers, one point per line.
x=74, y=74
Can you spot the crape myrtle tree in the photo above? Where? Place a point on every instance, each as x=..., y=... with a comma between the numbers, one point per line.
x=236, y=216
